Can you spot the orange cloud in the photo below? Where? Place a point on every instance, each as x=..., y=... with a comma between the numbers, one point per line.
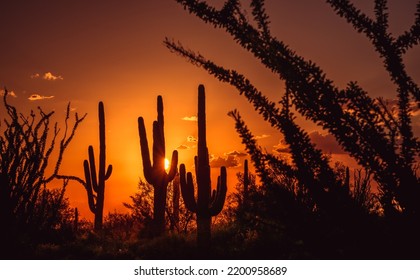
x=190, y=119
x=50, y=77
x=47, y=76
x=230, y=161
x=182, y=147
x=262, y=136
x=191, y=139
x=35, y=97
x=236, y=154
x=9, y=93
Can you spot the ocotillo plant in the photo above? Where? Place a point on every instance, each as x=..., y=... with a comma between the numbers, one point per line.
x=208, y=203
x=95, y=182
x=156, y=174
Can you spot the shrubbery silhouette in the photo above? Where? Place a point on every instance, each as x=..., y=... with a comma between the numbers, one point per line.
x=382, y=143
x=31, y=212
x=141, y=210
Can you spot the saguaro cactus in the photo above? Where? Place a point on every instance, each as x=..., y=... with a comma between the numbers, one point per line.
x=76, y=220
x=95, y=182
x=246, y=184
x=175, y=202
x=208, y=203
x=156, y=174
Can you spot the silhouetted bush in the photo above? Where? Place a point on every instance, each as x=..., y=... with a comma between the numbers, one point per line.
x=31, y=212
x=309, y=195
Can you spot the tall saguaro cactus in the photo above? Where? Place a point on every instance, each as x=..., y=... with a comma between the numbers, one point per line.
x=156, y=174
x=95, y=181
x=246, y=184
x=208, y=203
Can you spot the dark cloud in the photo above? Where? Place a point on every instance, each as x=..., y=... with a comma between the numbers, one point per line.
x=236, y=154
x=281, y=148
x=182, y=147
x=324, y=142
x=230, y=161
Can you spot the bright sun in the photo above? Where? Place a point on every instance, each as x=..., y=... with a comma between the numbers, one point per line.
x=166, y=164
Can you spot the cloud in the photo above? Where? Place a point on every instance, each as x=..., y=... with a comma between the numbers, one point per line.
x=262, y=136
x=190, y=119
x=236, y=154
x=326, y=142
x=9, y=93
x=182, y=147
x=191, y=139
x=282, y=147
x=48, y=76
x=392, y=106
x=35, y=97
x=230, y=161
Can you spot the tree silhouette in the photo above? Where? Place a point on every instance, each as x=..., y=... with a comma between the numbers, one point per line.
x=363, y=126
x=28, y=207
x=314, y=196
x=141, y=210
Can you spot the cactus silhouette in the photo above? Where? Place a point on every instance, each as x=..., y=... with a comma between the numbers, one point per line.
x=76, y=220
x=175, y=202
x=95, y=182
x=156, y=174
x=208, y=203
x=246, y=184
x=346, y=183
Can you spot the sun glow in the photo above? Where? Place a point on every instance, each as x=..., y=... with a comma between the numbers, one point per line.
x=166, y=164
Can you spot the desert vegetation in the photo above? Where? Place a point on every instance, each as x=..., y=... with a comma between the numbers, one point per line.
x=304, y=208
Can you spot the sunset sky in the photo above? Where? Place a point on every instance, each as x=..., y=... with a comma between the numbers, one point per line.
x=83, y=52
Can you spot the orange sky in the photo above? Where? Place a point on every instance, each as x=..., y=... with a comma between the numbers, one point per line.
x=87, y=51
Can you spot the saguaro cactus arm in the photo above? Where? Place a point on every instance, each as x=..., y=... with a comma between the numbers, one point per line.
x=187, y=189
x=219, y=195
x=89, y=188
x=144, y=147
x=155, y=174
x=173, y=168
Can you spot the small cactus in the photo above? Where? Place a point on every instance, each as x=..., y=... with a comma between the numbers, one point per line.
x=246, y=184
x=156, y=174
x=76, y=220
x=95, y=181
x=175, y=202
x=347, y=181
x=208, y=203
